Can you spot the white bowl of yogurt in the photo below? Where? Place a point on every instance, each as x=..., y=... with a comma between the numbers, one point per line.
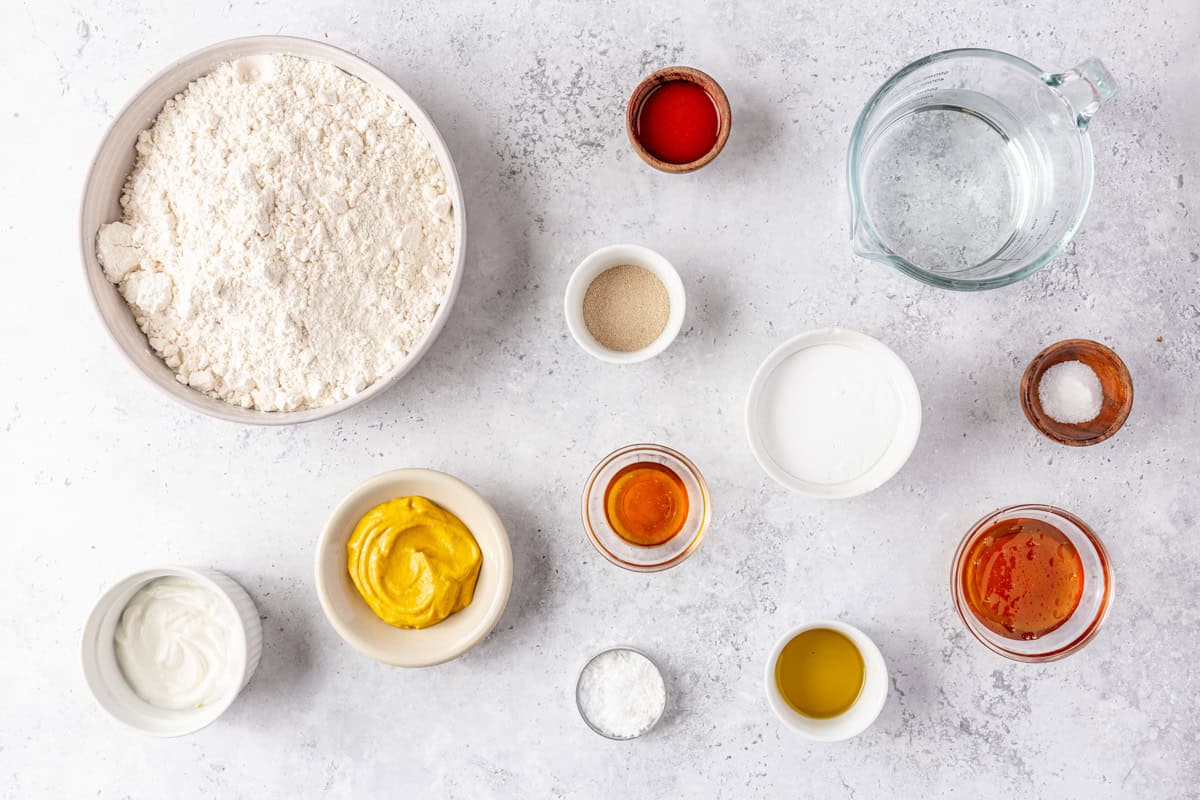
x=167, y=651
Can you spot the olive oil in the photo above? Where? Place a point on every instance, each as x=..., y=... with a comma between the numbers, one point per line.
x=820, y=673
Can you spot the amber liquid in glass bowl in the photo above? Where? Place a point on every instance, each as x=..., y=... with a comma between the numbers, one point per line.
x=645, y=507
x=1032, y=582
x=1023, y=578
x=646, y=503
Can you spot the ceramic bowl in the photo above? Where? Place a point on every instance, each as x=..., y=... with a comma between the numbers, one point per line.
x=859, y=716
x=354, y=620
x=651, y=82
x=1115, y=382
x=614, y=256
x=103, y=675
x=114, y=160
x=762, y=418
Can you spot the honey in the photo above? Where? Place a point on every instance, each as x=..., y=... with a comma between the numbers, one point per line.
x=820, y=673
x=1023, y=578
x=646, y=504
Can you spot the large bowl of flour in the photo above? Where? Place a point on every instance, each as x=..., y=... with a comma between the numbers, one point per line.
x=273, y=230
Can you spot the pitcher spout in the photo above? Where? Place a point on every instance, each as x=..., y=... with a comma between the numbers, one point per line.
x=861, y=240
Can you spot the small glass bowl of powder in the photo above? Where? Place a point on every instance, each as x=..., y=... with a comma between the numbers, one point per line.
x=621, y=693
x=624, y=304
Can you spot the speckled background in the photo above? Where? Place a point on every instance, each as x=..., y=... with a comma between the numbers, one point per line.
x=102, y=475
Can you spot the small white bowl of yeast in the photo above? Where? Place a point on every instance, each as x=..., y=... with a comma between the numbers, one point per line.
x=623, y=256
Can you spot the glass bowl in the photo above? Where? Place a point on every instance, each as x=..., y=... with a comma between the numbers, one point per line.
x=643, y=558
x=1085, y=621
x=579, y=703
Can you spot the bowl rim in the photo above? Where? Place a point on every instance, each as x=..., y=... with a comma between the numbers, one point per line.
x=615, y=649
x=651, y=82
x=865, y=709
x=374, y=77
x=908, y=428
x=701, y=530
x=134, y=581
x=332, y=531
x=1094, y=626
x=608, y=257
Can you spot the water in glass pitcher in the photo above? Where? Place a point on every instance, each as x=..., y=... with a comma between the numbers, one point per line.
x=951, y=187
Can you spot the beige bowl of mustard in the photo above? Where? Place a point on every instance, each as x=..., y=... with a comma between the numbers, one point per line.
x=356, y=596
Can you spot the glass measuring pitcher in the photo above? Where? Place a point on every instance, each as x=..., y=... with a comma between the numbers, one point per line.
x=971, y=169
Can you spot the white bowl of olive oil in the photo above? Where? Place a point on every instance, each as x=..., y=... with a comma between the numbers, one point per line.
x=826, y=680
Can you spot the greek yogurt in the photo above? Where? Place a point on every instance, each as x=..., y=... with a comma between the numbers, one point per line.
x=174, y=642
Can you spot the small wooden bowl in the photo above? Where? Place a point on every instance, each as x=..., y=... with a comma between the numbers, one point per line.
x=1115, y=382
x=666, y=75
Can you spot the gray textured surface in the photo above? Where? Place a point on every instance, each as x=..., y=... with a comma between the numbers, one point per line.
x=102, y=475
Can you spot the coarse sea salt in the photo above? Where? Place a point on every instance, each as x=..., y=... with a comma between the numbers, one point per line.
x=621, y=694
x=1070, y=392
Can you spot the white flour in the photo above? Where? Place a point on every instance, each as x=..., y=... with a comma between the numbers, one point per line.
x=287, y=236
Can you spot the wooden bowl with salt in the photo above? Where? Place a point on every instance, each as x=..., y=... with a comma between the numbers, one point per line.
x=1115, y=383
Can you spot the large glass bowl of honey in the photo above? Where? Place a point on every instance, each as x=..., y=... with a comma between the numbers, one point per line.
x=645, y=507
x=1032, y=582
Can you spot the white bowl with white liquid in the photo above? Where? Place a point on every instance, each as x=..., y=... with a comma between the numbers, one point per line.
x=833, y=413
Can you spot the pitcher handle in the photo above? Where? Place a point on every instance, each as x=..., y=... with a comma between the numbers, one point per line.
x=1086, y=87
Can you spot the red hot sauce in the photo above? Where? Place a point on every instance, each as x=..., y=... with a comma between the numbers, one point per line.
x=678, y=122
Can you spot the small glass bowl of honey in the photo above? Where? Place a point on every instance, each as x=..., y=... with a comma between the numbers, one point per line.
x=646, y=507
x=1032, y=582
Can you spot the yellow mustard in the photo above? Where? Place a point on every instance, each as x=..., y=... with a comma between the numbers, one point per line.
x=413, y=562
